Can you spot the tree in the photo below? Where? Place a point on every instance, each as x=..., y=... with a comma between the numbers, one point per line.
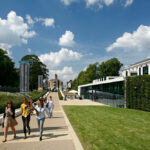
x=36, y=68
x=95, y=71
x=86, y=76
x=110, y=68
x=9, y=75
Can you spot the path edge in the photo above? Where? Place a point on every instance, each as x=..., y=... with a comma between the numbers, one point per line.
x=76, y=141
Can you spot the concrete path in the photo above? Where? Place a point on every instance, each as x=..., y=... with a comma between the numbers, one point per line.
x=81, y=102
x=58, y=134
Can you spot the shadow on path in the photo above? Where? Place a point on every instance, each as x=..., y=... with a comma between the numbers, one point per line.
x=36, y=130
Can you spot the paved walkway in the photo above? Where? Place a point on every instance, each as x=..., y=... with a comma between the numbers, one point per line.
x=81, y=102
x=58, y=134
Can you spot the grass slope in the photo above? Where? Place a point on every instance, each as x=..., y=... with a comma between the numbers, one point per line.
x=108, y=128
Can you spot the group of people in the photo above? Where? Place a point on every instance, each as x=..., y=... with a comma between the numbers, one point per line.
x=27, y=108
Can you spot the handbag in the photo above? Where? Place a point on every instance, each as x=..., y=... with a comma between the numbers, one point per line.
x=14, y=122
x=47, y=105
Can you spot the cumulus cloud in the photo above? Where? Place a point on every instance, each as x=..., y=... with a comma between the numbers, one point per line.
x=67, y=39
x=48, y=22
x=14, y=31
x=139, y=39
x=128, y=2
x=54, y=59
x=67, y=2
x=29, y=19
x=99, y=2
x=65, y=74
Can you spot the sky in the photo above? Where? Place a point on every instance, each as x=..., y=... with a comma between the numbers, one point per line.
x=68, y=35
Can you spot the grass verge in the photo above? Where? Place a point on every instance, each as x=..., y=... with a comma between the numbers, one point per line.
x=108, y=128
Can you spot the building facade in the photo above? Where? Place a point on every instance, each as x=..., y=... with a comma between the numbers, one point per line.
x=110, y=90
x=139, y=68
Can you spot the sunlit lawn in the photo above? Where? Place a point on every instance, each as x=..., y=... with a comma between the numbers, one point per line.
x=107, y=128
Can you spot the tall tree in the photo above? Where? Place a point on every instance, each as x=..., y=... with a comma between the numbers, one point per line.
x=86, y=76
x=36, y=68
x=9, y=75
x=110, y=67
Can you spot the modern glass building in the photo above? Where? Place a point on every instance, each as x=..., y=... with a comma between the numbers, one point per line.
x=110, y=90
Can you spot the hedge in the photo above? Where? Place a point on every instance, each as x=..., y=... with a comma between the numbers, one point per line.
x=17, y=98
x=60, y=96
x=138, y=92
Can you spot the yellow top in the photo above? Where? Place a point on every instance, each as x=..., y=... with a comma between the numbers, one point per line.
x=25, y=110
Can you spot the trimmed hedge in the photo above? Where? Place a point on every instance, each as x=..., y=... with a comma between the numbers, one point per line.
x=60, y=96
x=17, y=98
x=138, y=92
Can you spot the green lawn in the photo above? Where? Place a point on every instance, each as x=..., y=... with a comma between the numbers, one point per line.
x=108, y=128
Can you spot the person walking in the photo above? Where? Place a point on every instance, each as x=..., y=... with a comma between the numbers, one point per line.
x=40, y=109
x=26, y=110
x=9, y=120
x=50, y=107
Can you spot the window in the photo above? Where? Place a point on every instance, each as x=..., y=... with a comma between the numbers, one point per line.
x=126, y=73
x=139, y=71
x=145, y=70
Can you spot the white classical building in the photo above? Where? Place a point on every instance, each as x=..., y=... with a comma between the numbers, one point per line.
x=139, y=68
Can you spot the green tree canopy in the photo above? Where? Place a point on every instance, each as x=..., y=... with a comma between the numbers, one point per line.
x=9, y=75
x=95, y=71
x=36, y=68
x=110, y=67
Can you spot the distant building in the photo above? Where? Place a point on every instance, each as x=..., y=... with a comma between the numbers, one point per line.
x=69, y=84
x=24, y=77
x=55, y=84
x=40, y=82
x=139, y=68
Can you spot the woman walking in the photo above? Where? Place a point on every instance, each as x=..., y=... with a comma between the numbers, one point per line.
x=9, y=120
x=26, y=110
x=50, y=107
x=40, y=108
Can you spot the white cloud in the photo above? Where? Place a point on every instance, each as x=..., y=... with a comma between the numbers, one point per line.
x=65, y=74
x=99, y=2
x=9, y=53
x=29, y=19
x=67, y=2
x=54, y=59
x=67, y=39
x=14, y=31
x=139, y=39
x=128, y=2
x=48, y=22
x=29, y=50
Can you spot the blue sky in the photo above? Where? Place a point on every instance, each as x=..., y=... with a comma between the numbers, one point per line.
x=68, y=35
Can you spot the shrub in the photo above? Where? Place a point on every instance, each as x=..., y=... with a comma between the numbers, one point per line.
x=60, y=96
x=138, y=92
x=17, y=98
